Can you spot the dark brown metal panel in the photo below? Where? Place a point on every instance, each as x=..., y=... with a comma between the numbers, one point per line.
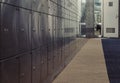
x=10, y=71
x=44, y=64
x=36, y=67
x=8, y=31
x=25, y=68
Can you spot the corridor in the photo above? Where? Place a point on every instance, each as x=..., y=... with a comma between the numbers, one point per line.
x=59, y=41
x=88, y=66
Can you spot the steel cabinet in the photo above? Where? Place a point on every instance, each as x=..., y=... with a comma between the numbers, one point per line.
x=12, y=2
x=25, y=3
x=36, y=66
x=57, y=45
x=44, y=29
x=23, y=30
x=40, y=5
x=10, y=71
x=25, y=68
x=37, y=5
x=0, y=73
x=8, y=31
x=35, y=30
x=19, y=3
x=50, y=45
x=44, y=62
x=50, y=58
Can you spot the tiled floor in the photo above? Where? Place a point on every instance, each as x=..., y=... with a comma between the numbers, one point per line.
x=88, y=66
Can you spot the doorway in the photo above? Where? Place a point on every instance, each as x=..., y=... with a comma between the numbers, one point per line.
x=91, y=18
x=106, y=18
x=111, y=18
x=97, y=17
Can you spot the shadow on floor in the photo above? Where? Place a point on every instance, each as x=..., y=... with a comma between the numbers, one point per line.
x=111, y=48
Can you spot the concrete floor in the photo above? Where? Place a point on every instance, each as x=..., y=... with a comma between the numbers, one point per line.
x=88, y=66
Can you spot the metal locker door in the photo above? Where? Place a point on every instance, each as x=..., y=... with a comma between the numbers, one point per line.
x=25, y=68
x=0, y=73
x=35, y=30
x=36, y=5
x=8, y=31
x=40, y=5
x=0, y=32
x=36, y=67
x=54, y=9
x=60, y=38
x=43, y=63
x=50, y=46
x=50, y=58
x=26, y=3
x=10, y=71
x=23, y=28
x=63, y=42
x=56, y=58
x=44, y=7
x=44, y=28
x=51, y=7
x=12, y=2
x=21, y=3
x=59, y=35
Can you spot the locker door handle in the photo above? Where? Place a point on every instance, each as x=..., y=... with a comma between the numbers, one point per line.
x=33, y=29
x=5, y=30
x=49, y=59
x=34, y=68
x=42, y=29
x=22, y=75
x=22, y=29
x=42, y=62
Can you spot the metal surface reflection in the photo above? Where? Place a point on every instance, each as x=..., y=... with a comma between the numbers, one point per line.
x=37, y=39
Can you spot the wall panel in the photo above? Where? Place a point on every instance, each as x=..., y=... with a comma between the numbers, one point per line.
x=41, y=34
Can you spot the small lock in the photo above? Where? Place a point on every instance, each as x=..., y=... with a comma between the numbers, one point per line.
x=22, y=29
x=22, y=74
x=33, y=29
x=42, y=62
x=34, y=67
x=5, y=30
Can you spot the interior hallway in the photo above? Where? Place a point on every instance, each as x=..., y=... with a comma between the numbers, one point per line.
x=88, y=66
